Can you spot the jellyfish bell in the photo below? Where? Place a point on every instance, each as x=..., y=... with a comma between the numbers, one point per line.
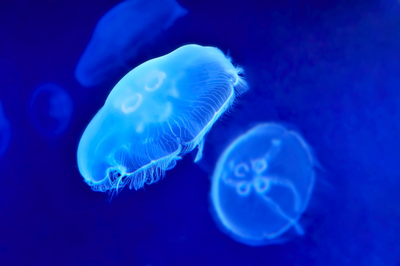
x=262, y=184
x=120, y=34
x=157, y=113
x=51, y=109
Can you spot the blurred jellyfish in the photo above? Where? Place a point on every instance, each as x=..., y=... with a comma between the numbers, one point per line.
x=5, y=131
x=51, y=109
x=120, y=33
x=157, y=113
x=262, y=185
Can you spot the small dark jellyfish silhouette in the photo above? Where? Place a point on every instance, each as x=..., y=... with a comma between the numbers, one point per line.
x=5, y=131
x=51, y=109
x=262, y=184
x=157, y=113
x=120, y=33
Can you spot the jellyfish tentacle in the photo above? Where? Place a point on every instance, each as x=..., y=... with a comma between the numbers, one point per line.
x=277, y=209
x=284, y=182
x=200, y=148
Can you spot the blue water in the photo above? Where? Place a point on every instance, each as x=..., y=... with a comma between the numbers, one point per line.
x=5, y=131
x=326, y=69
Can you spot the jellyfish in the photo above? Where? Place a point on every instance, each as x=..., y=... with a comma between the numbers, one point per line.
x=157, y=113
x=120, y=33
x=5, y=131
x=262, y=184
x=51, y=109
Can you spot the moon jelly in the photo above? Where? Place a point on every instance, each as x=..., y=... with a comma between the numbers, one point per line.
x=157, y=113
x=120, y=33
x=51, y=109
x=5, y=131
x=262, y=185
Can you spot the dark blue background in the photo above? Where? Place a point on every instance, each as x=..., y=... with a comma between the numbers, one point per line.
x=328, y=68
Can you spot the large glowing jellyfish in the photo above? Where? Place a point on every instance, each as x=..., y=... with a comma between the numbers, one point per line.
x=120, y=33
x=262, y=185
x=51, y=109
x=157, y=113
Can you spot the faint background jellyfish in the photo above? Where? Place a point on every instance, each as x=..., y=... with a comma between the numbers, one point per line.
x=262, y=184
x=5, y=131
x=51, y=109
x=120, y=33
x=157, y=113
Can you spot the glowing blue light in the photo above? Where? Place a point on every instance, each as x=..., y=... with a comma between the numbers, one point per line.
x=157, y=113
x=262, y=185
x=51, y=109
x=120, y=33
